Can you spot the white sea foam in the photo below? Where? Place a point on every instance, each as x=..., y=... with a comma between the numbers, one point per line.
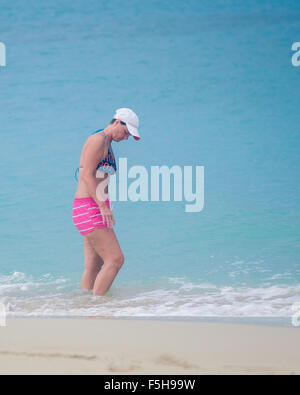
x=179, y=297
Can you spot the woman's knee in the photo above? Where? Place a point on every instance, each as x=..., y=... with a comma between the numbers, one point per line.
x=116, y=261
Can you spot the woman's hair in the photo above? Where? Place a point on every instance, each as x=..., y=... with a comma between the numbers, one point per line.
x=114, y=119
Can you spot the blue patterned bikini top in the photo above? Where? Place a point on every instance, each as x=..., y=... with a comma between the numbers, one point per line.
x=108, y=164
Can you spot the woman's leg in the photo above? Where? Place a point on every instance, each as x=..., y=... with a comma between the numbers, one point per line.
x=92, y=262
x=107, y=246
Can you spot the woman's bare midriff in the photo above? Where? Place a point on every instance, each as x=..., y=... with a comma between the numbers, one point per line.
x=82, y=190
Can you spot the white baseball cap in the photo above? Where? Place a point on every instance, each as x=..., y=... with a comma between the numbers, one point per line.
x=131, y=119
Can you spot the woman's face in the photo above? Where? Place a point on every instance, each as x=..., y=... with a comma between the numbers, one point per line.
x=122, y=132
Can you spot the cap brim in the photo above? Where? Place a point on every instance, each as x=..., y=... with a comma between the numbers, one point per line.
x=133, y=131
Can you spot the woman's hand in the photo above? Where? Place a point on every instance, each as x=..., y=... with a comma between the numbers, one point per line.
x=107, y=216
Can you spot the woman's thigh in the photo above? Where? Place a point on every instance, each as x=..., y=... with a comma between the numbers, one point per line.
x=105, y=243
x=92, y=259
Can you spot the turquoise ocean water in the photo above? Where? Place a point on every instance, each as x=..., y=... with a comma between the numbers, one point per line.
x=213, y=85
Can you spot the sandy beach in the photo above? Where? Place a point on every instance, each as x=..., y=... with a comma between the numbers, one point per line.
x=101, y=346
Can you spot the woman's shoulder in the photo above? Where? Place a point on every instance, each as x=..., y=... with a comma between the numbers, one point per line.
x=95, y=141
x=96, y=137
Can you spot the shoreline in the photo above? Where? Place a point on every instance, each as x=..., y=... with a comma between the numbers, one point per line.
x=114, y=346
x=277, y=322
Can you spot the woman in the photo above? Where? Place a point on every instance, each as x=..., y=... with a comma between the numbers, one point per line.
x=92, y=213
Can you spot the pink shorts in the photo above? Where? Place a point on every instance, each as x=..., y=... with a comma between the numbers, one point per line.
x=87, y=215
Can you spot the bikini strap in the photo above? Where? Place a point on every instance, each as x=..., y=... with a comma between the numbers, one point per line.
x=76, y=172
x=100, y=130
x=106, y=141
